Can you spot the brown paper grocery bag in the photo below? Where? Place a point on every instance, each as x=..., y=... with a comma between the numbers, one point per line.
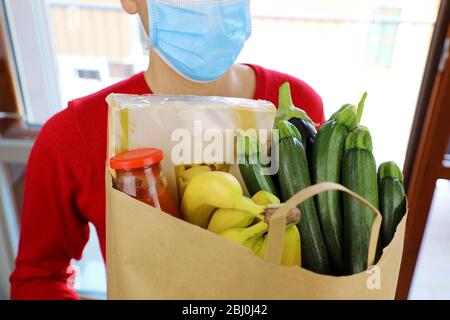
x=151, y=255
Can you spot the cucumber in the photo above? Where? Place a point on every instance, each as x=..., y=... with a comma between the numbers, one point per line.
x=255, y=181
x=326, y=167
x=251, y=169
x=308, y=133
x=392, y=200
x=326, y=164
x=359, y=174
x=293, y=176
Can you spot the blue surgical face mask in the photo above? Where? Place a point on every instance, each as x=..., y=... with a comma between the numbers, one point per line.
x=200, y=39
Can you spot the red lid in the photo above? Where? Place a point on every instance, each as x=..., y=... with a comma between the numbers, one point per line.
x=136, y=159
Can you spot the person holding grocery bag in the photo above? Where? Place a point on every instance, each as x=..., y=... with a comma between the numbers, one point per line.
x=194, y=46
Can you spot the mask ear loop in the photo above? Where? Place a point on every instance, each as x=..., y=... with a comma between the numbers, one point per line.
x=150, y=34
x=249, y=19
x=147, y=43
x=152, y=21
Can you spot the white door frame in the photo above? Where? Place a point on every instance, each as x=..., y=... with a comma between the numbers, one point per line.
x=11, y=151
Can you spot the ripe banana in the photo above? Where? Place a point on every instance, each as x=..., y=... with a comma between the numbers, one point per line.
x=192, y=172
x=224, y=219
x=253, y=240
x=242, y=235
x=185, y=173
x=264, y=198
x=291, y=247
x=257, y=244
x=261, y=250
x=208, y=191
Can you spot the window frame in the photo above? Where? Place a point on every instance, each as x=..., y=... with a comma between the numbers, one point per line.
x=33, y=58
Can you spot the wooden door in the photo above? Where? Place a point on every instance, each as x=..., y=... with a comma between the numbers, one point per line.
x=429, y=143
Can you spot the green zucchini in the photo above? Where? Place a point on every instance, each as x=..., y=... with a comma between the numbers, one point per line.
x=251, y=169
x=392, y=199
x=293, y=176
x=297, y=117
x=286, y=109
x=326, y=167
x=328, y=152
x=359, y=174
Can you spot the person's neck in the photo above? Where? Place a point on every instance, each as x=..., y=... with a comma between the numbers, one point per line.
x=162, y=79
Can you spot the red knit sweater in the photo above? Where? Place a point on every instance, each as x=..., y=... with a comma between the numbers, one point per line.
x=65, y=187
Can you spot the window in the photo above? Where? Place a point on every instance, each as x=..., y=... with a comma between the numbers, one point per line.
x=382, y=37
x=96, y=45
x=88, y=74
x=326, y=44
x=120, y=70
x=30, y=38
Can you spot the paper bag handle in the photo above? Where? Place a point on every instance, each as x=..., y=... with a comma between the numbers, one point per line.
x=277, y=225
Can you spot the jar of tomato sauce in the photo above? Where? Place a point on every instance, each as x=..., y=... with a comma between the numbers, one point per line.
x=139, y=175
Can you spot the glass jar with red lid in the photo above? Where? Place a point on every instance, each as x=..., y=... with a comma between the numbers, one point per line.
x=139, y=175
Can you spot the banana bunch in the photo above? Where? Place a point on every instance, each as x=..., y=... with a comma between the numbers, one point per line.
x=209, y=191
x=214, y=200
x=185, y=173
x=291, y=255
x=225, y=219
x=238, y=227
